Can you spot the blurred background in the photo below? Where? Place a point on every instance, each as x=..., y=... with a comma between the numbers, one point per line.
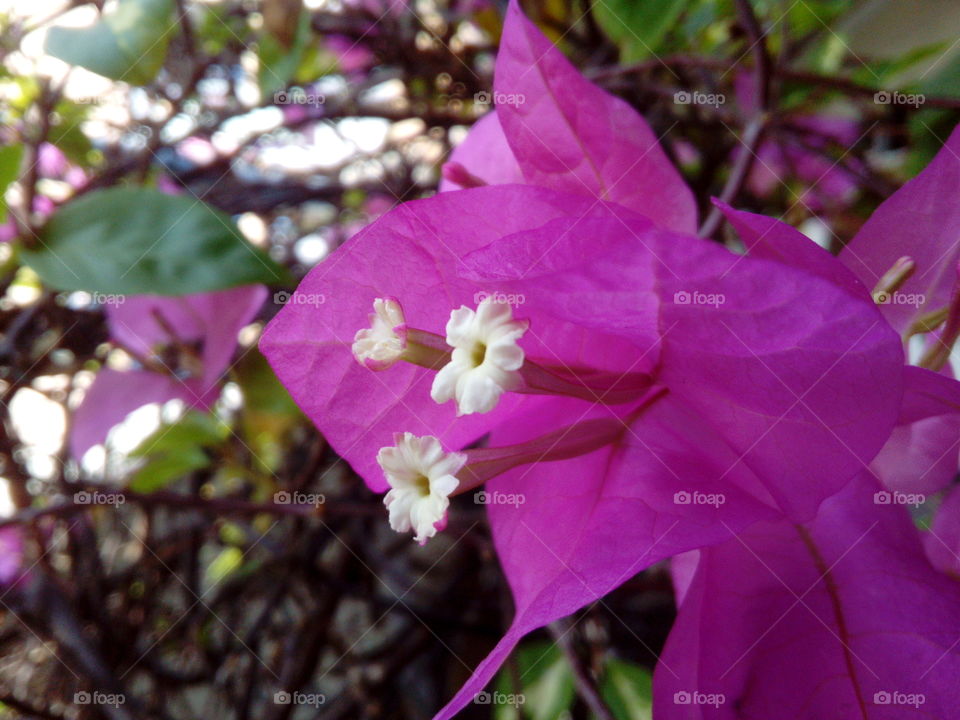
x=219, y=560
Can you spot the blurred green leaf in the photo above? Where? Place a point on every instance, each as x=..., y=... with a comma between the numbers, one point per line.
x=902, y=43
x=194, y=428
x=705, y=23
x=812, y=16
x=176, y=449
x=232, y=534
x=929, y=129
x=278, y=63
x=268, y=410
x=70, y=138
x=138, y=240
x=165, y=468
x=900, y=72
x=262, y=390
x=10, y=158
x=129, y=43
x=546, y=685
x=627, y=690
x=226, y=563
x=218, y=27
x=637, y=27
x=944, y=79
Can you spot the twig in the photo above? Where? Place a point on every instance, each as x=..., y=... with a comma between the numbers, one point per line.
x=214, y=506
x=836, y=82
x=45, y=104
x=855, y=88
x=561, y=630
x=753, y=132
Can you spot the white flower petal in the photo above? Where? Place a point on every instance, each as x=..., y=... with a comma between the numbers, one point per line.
x=382, y=344
x=486, y=358
x=421, y=477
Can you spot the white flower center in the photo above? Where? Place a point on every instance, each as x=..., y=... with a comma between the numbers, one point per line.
x=381, y=345
x=421, y=477
x=486, y=358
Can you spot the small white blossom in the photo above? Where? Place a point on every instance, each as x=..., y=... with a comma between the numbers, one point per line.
x=382, y=344
x=486, y=358
x=421, y=477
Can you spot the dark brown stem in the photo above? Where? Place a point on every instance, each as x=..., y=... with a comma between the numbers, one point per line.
x=753, y=131
x=583, y=680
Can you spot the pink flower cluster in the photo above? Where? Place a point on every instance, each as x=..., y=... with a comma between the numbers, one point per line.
x=549, y=326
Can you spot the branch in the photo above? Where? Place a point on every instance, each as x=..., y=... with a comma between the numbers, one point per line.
x=753, y=131
x=215, y=506
x=582, y=679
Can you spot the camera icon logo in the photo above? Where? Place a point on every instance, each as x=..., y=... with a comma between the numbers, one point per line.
x=282, y=497
x=281, y=697
x=482, y=98
x=681, y=297
x=881, y=697
x=682, y=97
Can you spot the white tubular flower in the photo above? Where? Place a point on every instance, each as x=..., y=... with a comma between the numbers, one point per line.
x=421, y=477
x=381, y=345
x=486, y=359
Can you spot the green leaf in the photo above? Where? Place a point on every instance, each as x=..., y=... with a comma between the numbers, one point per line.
x=269, y=412
x=10, y=158
x=262, y=390
x=175, y=450
x=223, y=565
x=133, y=241
x=166, y=468
x=194, y=428
x=546, y=685
x=813, y=16
x=627, y=690
x=637, y=27
x=129, y=43
x=278, y=64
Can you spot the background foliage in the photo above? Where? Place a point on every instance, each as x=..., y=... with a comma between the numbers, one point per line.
x=161, y=147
